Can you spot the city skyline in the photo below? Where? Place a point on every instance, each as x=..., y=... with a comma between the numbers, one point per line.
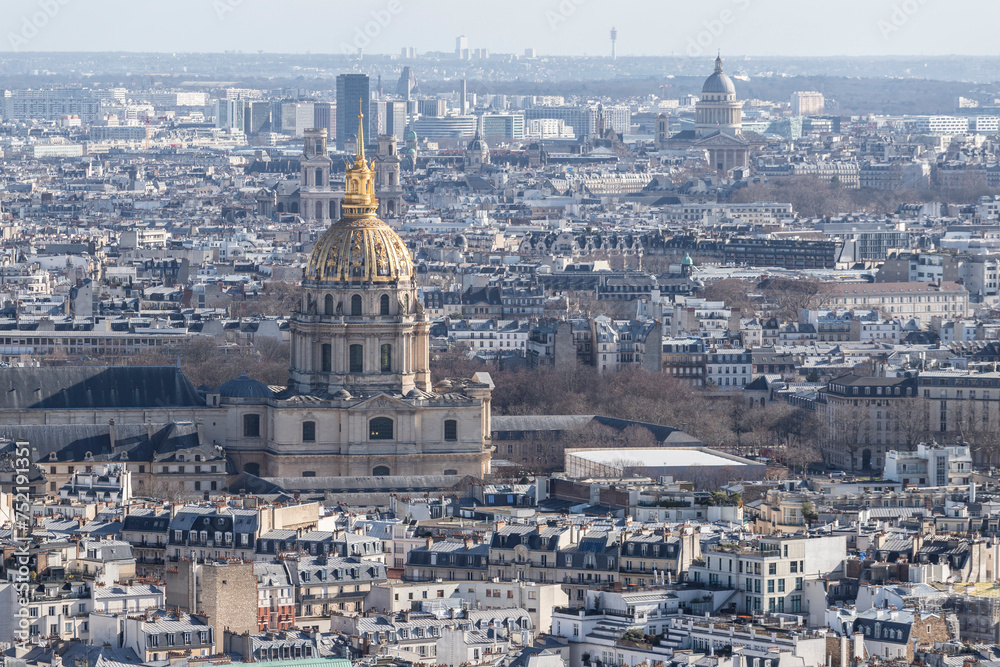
x=566, y=27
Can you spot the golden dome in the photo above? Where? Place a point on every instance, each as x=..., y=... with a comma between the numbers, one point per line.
x=359, y=246
x=370, y=251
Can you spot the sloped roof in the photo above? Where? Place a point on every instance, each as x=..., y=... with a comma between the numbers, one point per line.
x=95, y=387
x=72, y=442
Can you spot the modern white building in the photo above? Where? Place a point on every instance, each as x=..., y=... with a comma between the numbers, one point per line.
x=770, y=571
x=930, y=465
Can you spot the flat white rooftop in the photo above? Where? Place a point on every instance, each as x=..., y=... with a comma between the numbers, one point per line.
x=656, y=457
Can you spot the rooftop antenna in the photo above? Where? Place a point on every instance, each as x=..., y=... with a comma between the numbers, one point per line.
x=614, y=38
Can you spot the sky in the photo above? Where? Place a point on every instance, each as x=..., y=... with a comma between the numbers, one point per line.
x=551, y=27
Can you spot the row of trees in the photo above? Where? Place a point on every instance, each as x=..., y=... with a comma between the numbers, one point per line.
x=814, y=197
x=206, y=361
x=718, y=419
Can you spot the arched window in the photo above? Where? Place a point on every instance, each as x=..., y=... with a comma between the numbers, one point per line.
x=333, y=210
x=309, y=431
x=357, y=360
x=450, y=429
x=294, y=207
x=380, y=471
x=380, y=428
x=383, y=304
x=385, y=358
x=356, y=305
x=319, y=210
x=319, y=176
x=328, y=304
x=252, y=469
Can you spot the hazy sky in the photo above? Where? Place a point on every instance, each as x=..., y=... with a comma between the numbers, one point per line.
x=561, y=27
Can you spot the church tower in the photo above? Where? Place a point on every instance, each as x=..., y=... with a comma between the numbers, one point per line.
x=387, y=171
x=360, y=329
x=317, y=199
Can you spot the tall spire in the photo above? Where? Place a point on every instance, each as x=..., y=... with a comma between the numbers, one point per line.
x=718, y=62
x=360, y=155
x=359, y=199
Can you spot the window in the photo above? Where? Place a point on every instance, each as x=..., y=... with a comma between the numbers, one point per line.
x=356, y=305
x=380, y=428
x=450, y=429
x=327, y=350
x=328, y=305
x=309, y=431
x=385, y=358
x=772, y=568
x=251, y=426
x=357, y=358
x=383, y=305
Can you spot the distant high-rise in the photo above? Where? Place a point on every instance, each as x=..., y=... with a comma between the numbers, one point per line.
x=807, y=103
x=324, y=117
x=462, y=47
x=229, y=114
x=464, y=101
x=395, y=119
x=614, y=38
x=432, y=107
x=407, y=84
x=256, y=117
x=353, y=97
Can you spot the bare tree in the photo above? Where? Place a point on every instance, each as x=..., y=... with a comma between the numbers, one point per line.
x=976, y=426
x=909, y=420
x=850, y=429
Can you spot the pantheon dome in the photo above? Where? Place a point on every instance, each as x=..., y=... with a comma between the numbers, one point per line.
x=719, y=82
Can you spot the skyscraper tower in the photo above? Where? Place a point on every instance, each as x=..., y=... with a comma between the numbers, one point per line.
x=614, y=38
x=353, y=98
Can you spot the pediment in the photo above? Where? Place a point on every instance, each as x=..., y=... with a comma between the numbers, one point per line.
x=382, y=402
x=721, y=140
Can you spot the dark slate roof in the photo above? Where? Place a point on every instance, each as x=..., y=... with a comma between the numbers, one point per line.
x=245, y=387
x=95, y=387
x=893, y=632
x=147, y=521
x=72, y=442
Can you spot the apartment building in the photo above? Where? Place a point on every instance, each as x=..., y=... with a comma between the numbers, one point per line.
x=770, y=571
x=920, y=301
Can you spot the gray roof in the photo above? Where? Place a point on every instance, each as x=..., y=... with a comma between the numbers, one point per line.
x=245, y=387
x=89, y=387
x=72, y=442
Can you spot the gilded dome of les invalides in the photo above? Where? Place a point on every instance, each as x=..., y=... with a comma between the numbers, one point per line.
x=359, y=247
